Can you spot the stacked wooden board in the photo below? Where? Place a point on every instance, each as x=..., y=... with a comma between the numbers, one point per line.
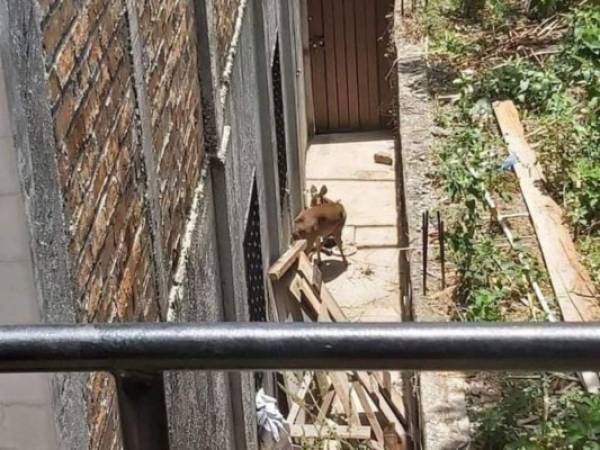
x=350, y=408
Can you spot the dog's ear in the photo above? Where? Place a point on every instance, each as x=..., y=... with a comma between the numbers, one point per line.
x=313, y=190
x=323, y=190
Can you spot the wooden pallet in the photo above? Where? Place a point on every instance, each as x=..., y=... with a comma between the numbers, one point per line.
x=335, y=406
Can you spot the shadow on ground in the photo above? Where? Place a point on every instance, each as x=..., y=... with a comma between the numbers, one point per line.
x=331, y=269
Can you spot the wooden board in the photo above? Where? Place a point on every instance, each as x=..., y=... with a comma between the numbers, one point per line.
x=331, y=76
x=299, y=397
x=382, y=404
x=317, y=63
x=370, y=413
x=287, y=260
x=570, y=280
x=571, y=283
x=351, y=66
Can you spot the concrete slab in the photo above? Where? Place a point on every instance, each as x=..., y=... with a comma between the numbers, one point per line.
x=386, y=236
x=349, y=157
x=367, y=203
x=368, y=289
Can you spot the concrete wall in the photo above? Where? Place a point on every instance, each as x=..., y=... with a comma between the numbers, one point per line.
x=25, y=400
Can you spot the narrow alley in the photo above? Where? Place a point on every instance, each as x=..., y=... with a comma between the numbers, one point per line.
x=368, y=289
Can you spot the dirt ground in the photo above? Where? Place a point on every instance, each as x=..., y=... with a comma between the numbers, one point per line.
x=445, y=422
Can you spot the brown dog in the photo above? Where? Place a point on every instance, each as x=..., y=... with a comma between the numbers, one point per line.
x=321, y=221
x=319, y=198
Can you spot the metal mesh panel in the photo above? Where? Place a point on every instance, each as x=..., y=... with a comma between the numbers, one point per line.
x=279, y=125
x=254, y=265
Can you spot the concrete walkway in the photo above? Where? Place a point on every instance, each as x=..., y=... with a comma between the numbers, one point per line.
x=368, y=289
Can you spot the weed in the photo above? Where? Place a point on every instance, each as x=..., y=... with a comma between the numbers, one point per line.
x=522, y=420
x=560, y=102
x=590, y=249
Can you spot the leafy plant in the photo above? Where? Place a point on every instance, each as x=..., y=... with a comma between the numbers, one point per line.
x=569, y=421
x=590, y=249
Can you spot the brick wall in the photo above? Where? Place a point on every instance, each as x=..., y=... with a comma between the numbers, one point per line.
x=171, y=76
x=102, y=172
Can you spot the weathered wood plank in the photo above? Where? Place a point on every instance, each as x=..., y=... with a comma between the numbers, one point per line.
x=298, y=398
x=287, y=260
x=571, y=283
x=570, y=280
x=369, y=412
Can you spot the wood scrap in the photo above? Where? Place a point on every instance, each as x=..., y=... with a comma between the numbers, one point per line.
x=296, y=282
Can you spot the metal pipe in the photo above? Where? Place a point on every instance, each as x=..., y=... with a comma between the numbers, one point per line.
x=334, y=346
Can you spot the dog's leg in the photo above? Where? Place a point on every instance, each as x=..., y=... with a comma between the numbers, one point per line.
x=318, y=245
x=338, y=240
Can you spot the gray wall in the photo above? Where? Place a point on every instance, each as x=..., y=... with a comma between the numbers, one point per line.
x=25, y=400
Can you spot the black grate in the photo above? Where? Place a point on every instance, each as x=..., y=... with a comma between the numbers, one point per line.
x=254, y=265
x=279, y=125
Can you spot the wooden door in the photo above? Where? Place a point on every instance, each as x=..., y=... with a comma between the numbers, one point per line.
x=349, y=63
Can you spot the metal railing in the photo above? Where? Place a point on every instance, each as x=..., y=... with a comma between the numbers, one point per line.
x=137, y=354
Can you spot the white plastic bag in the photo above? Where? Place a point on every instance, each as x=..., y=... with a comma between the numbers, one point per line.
x=272, y=430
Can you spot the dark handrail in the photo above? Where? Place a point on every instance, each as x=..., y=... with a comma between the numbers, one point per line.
x=262, y=346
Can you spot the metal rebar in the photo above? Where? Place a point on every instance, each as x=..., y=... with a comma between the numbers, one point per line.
x=281, y=346
x=425, y=238
x=442, y=239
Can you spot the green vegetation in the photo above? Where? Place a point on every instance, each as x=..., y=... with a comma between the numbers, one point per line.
x=550, y=67
x=527, y=419
x=490, y=276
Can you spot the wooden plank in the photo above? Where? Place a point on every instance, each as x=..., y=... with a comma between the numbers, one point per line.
x=371, y=68
x=317, y=62
x=351, y=66
x=361, y=61
x=572, y=285
x=330, y=65
x=298, y=398
x=364, y=401
x=342, y=389
x=325, y=406
x=334, y=431
x=392, y=441
x=286, y=306
x=295, y=288
x=381, y=402
x=305, y=267
x=287, y=260
x=340, y=63
x=391, y=395
x=314, y=305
